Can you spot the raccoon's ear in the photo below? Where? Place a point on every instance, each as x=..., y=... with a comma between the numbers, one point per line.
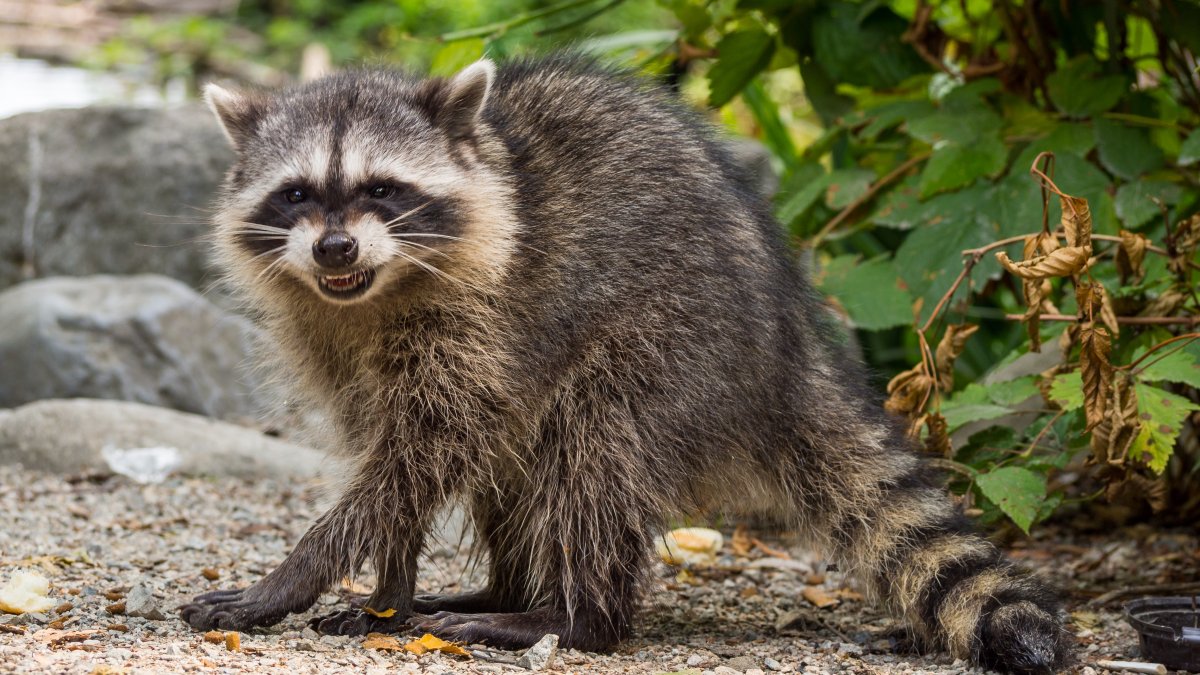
x=465, y=96
x=237, y=112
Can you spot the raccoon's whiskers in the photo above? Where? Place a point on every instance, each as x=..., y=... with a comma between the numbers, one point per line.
x=397, y=220
x=400, y=240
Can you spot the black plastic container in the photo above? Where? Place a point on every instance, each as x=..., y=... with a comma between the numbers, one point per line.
x=1169, y=630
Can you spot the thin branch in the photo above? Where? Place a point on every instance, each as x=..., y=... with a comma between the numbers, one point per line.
x=579, y=21
x=966, y=271
x=516, y=21
x=867, y=196
x=1186, y=336
x=1183, y=587
x=1125, y=320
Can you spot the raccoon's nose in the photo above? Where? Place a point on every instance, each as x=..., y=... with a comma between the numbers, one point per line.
x=336, y=249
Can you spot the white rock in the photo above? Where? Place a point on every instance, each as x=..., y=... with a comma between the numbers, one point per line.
x=539, y=655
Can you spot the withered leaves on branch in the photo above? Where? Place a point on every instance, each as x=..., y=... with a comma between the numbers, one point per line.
x=949, y=349
x=1095, y=345
x=1113, y=436
x=1130, y=257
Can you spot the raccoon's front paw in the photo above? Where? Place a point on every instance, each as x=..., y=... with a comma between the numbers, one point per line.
x=233, y=609
x=355, y=621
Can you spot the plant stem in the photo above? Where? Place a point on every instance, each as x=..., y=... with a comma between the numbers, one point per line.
x=1127, y=320
x=1186, y=336
x=579, y=20
x=518, y=20
x=867, y=196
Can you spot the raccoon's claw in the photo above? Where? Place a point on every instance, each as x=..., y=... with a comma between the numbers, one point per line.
x=469, y=603
x=356, y=622
x=231, y=609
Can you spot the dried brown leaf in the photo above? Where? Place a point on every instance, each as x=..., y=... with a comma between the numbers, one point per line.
x=382, y=642
x=951, y=346
x=908, y=391
x=819, y=597
x=1166, y=304
x=215, y=637
x=1062, y=262
x=1130, y=257
x=1182, y=245
x=1077, y=221
x=937, y=442
x=740, y=542
x=431, y=643
x=1112, y=438
x=1095, y=345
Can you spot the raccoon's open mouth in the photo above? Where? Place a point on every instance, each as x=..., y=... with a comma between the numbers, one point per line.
x=346, y=286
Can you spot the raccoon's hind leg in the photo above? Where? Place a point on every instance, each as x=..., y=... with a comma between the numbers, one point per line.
x=889, y=524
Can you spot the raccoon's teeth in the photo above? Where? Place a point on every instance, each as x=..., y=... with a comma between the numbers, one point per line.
x=345, y=281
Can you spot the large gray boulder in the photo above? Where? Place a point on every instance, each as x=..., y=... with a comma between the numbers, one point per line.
x=141, y=338
x=72, y=436
x=108, y=191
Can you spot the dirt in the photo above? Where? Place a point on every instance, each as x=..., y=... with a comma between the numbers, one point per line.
x=111, y=546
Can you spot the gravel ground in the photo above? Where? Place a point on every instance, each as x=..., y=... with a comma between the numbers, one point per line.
x=104, y=541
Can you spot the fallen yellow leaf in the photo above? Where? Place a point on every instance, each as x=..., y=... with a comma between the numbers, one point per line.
x=432, y=643
x=817, y=596
x=382, y=642
x=385, y=614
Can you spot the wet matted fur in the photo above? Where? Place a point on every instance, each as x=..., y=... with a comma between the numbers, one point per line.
x=544, y=289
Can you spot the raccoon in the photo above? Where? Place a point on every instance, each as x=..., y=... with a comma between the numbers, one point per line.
x=544, y=290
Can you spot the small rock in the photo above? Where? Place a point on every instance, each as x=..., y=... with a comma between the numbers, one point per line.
x=140, y=602
x=310, y=634
x=755, y=671
x=726, y=670
x=539, y=655
x=742, y=662
x=701, y=660
x=772, y=664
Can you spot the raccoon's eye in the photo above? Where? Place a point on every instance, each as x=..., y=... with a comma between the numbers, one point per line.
x=294, y=195
x=380, y=192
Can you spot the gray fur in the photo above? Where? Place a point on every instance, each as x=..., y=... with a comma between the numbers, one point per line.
x=602, y=329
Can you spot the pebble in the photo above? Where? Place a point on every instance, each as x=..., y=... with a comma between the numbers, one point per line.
x=540, y=654
x=140, y=602
x=772, y=664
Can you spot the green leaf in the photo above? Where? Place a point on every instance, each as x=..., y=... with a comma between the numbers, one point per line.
x=959, y=414
x=888, y=115
x=871, y=292
x=1189, y=153
x=1018, y=492
x=1126, y=151
x=800, y=191
x=961, y=126
x=846, y=185
x=1180, y=366
x=455, y=56
x=1162, y=415
x=740, y=56
x=1013, y=392
x=931, y=256
x=1070, y=138
x=866, y=53
x=1135, y=204
x=1067, y=391
x=954, y=166
x=1076, y=90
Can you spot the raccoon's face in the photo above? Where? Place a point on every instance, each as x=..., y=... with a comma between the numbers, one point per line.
x=357, y=182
